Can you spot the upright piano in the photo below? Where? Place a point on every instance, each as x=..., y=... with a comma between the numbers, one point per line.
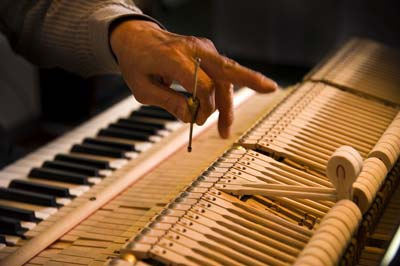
x=309, y=177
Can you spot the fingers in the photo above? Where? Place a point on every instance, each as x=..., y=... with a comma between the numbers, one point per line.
x=205, y=93
x=230, y=71
x=173, y=60
x=224, y=103
x=183, y=72
x=222, y=68
x=161, y=95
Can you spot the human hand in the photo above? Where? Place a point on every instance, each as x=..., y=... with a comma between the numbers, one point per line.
x=151, y=58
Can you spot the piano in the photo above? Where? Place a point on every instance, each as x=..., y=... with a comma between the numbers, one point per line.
x=309, y=177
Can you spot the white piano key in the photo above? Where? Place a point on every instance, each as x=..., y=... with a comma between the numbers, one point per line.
x=75, y=190
x=40, y=211
x=63, y=201
x=94, y=180
x=114, y=163
x=140, y=146
x=105, y=172
x=58, y=146
x=17, y=169
x=26, y=162
x=4, y=183
x=59, y=200
x=78, y=191
x=12, y=240
x=42, y=215
x=28, y=225
x=36, y=156
x=173, y=125
x=5, y=175
x=49, y=210
x=163, y=133
x=155, y=138
x=131, y=154
x=169, y=125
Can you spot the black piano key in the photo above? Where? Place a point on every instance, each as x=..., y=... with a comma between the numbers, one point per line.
x=72, y=167
x=134, y=128
x=147, y=112
x=18, y=213
x=100, y=164
x=2, y=239
x=157, y=109
x=139, y=121
x=153, y=107
x=11, y=226
x=124, y=134
x=98, y=150
x=40, y=188
x=58, y=175
x=27, y=197
x=111, y=144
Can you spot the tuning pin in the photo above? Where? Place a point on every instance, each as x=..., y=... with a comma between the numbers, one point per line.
x=342, y=170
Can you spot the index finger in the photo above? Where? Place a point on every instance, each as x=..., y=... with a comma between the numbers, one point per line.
x=223, y=68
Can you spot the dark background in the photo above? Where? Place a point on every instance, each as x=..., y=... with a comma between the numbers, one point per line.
x=282, y=39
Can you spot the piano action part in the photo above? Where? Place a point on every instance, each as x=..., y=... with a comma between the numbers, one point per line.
x=179, y=213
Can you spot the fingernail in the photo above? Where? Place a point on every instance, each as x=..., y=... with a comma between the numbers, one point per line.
x=224, y=133
x=225, y=136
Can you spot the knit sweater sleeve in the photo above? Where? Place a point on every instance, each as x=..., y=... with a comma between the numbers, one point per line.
x=73, y=35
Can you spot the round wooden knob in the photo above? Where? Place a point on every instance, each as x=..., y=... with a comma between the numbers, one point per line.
x=384, y=152
x=362, y=196
x=343, y=168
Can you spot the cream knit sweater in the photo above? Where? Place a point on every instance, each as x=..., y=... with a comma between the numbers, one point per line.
x=71, y=34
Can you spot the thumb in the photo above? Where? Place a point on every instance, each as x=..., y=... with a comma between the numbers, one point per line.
x=148, y=91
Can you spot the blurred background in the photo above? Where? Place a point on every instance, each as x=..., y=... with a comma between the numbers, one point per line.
x=282, y=39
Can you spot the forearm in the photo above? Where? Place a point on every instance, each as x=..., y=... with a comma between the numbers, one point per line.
x=73, y=35
x=77, y=36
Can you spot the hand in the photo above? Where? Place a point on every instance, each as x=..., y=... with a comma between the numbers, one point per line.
x=150, y=58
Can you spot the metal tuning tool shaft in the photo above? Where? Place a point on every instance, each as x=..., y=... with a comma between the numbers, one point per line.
x=193, y=103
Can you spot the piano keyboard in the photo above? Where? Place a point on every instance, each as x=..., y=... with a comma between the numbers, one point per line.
x=34, y=188
x=60, y=218
x=305, y=182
